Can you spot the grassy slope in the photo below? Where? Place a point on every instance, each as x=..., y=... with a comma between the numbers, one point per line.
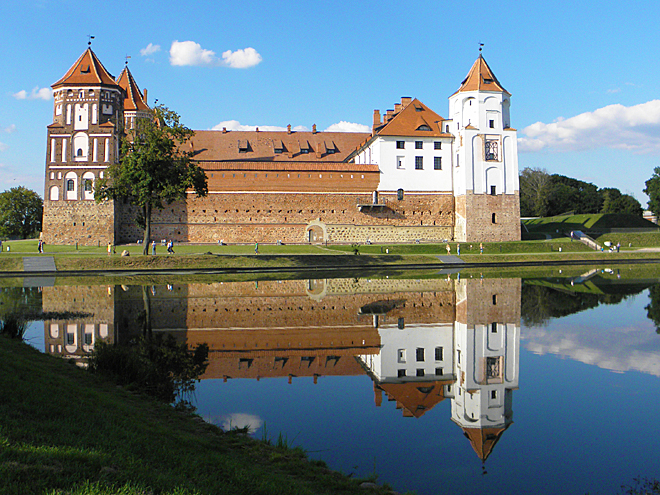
x=593, y=221
x=63, y=430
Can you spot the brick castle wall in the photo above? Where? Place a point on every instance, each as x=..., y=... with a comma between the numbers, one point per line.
x=272, y=217
x=82, y=221
x=476, y=212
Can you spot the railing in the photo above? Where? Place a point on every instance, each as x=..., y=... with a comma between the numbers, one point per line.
x=585, y=239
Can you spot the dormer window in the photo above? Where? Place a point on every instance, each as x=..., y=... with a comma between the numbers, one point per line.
x=419, y=108
x=423, y=127
x=488, y=81
x=243, y=146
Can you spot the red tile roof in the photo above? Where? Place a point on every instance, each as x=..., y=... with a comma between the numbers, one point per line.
x=481, y=78
x=87, y=70
x=133, y=100
x=274, y=146
x=483, y=440
x=289, y=166
x=413, y=119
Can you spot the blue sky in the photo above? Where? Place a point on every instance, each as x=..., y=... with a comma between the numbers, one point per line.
x=582, y=74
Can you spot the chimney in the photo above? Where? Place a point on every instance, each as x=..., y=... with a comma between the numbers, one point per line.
x=145, y=95
x=288, y=129
x=314, y=129
x=389, y=115
x=224, y=130
x=377, y=120
x=405, y=101
x=398, y=107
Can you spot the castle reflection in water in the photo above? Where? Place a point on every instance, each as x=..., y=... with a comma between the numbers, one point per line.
x=420, y=341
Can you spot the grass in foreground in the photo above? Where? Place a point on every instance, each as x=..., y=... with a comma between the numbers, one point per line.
x=63, y=430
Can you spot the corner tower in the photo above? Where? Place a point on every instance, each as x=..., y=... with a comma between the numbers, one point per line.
x=486, y=159
x=83, y=140
x=135, y=103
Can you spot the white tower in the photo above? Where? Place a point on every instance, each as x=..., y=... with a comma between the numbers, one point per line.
x=485, y=159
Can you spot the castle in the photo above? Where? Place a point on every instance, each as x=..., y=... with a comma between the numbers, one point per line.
x=416, y=177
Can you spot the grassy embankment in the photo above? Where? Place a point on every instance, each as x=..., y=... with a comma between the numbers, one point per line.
x=553, y=244
x=64, y=430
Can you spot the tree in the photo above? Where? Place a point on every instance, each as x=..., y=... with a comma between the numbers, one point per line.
x=21, y=211
x=652, y=190
x=534, y=192
x=615, y=202
x=153, y=169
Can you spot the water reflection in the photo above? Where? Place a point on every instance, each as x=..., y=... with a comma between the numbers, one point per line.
x=420, y=341
x=422, y=350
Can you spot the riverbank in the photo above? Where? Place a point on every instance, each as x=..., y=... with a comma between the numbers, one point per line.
x=63, y=430
x=92, y=261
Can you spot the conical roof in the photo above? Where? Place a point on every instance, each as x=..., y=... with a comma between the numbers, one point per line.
x=86, y=71
x=481, y=78
x=134, y=100
x=483, y=440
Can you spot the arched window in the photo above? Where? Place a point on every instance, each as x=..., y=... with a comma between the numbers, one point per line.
x=54, y=193
x=399, y=194
x=423, y=127
x=71, y=186
x=88, y=185
x=79, y=152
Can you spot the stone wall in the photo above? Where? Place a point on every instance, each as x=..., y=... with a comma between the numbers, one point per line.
x=488, y=218
x=272, y=217
x=486, y=301
x=82, y=221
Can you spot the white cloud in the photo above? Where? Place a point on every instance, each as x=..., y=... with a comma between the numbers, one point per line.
x=635, y=128
x=241, y=59
x=9, y=129
x=624, y=348
x=344, y=126
x=235, y=125
x=150, y=49
x=36, y=94
x=238, y=420
x=190, y=53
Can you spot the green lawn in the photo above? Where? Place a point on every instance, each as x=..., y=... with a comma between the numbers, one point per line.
x=66, y=431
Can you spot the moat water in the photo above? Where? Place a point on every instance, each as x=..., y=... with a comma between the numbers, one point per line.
x=445, y=384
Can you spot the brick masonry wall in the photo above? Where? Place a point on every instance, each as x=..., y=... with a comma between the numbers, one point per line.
x=478, y=210
x=84, y=222
x=487, y=301
x=269, y=217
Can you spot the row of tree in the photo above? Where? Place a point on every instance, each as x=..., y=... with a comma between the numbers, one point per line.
x=545, y=195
